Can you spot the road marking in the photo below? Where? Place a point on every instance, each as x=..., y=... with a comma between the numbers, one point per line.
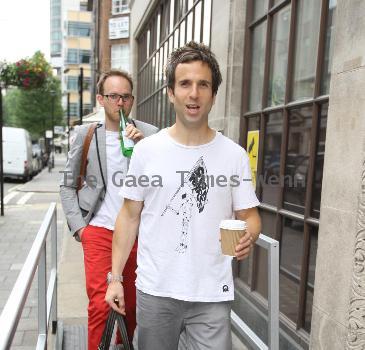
x=25, y=198
x=9, y=196
x=15, y=188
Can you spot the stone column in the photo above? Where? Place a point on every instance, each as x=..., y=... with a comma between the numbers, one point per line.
x=339, y=294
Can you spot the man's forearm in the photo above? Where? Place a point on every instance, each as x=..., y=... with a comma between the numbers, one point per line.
x=124, y=236
x=254, y=225
x=253, y=221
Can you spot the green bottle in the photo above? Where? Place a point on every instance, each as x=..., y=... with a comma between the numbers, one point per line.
x=126, y=143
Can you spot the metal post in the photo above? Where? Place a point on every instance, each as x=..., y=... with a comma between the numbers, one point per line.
x=68, y=121
x=81, y=91
x=273, y=295
x=1, y=154
x=54, y=268
x=42, y=293
x=52, y=116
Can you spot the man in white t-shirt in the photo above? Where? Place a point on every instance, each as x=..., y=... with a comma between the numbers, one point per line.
x=181, y=183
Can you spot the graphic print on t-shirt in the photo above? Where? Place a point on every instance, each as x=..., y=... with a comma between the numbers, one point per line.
x=187, y=197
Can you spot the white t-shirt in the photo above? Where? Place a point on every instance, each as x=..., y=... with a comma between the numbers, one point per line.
x=117, y=167
x=179, y=252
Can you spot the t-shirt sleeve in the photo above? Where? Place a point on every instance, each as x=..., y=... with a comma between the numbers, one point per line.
x=243, y=194
x=131, y=188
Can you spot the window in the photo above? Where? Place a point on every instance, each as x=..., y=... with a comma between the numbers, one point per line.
x=79, y=29
x=85, y=56
x=120, y=57
x=75, y=56
x=72, y=83
x=74, y=109
x=120, y=6
x=56, y=36
x=56, y=23
x=173, y=23
x=285, y=99
x=87, y=108
x=55, y=48
x=83, y=6
x=72, y=56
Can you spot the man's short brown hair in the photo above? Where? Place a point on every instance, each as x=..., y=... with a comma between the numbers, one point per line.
x=112, y=73
x=190, y=52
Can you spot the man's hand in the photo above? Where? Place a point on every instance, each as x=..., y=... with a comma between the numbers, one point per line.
x=244, y=246
x=80, y=232
x=253, y=221
x=133, y=133
x=115, y=297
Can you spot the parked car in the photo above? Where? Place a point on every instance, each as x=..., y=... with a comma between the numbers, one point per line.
x=37, y=159
x=17, y=153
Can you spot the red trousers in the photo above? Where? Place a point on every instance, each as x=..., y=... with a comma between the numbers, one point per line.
x=97, y=246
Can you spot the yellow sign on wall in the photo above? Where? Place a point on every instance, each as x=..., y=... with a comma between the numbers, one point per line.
x=253, y=153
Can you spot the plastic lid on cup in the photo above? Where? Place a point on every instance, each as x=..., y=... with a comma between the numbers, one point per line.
x=232, y=224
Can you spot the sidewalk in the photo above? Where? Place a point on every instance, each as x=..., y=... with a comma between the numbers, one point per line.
x=18, y=229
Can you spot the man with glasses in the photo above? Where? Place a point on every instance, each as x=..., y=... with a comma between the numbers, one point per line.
x=91, y=211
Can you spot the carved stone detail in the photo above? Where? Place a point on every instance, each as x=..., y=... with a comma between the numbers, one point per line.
x=356, y=328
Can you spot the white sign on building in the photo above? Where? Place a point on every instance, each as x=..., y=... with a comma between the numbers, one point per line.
x=119, y=27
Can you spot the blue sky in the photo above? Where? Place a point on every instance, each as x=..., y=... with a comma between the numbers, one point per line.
x=24, y=28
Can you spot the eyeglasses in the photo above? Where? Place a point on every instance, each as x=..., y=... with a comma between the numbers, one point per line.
x=115, y=98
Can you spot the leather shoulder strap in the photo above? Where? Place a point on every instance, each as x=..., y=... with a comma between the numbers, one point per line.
x=85, y=151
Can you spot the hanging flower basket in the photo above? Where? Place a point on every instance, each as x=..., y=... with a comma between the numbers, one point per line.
x=27, y=73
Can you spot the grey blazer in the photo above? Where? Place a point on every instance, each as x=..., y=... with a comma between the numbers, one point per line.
x=80, y=207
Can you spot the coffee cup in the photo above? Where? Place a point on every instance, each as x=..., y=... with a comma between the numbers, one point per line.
x=231, y=232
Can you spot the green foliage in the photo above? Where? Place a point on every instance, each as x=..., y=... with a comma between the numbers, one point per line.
x=27, y=73
x=31, y=109
x=32, y=94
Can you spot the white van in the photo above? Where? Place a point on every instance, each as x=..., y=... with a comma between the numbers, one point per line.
x=17, y=153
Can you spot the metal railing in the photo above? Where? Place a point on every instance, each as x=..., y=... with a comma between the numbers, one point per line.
x=47, y=298
x=272, y=246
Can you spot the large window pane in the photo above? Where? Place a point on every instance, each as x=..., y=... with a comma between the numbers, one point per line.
x=279, y=57
x=272, y=145
x=120, y=57
x=197, y=21
x=296, y=167
x=207, y=19
x=318, y=172
x=327, y=62
x=257, y=67
x=260, y=8
x=311, y=274
x=268, y=229
x=290, y=267
x=306, y=47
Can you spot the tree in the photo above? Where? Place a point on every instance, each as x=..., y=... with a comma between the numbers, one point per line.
x=35, y=93
x=32, y=109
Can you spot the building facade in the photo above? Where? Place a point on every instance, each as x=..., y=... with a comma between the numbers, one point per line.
x=71, y=50
x=111, y=36
x=292, y=96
